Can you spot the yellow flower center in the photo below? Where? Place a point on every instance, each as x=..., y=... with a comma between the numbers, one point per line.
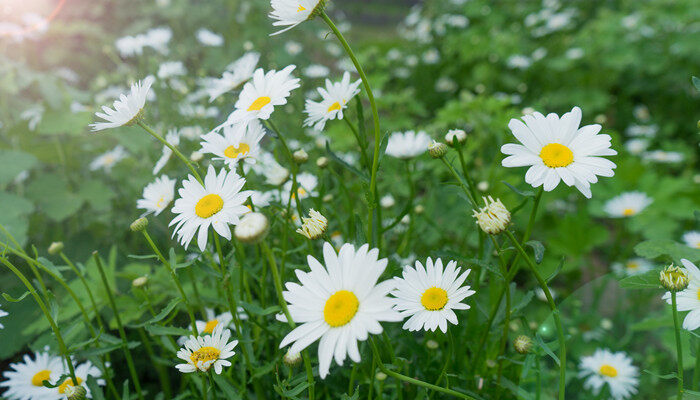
x=632, y=265
x=340, y=308
x=628, y=212
x=301, y=8
x=697, y=245
x=434, y=299
x=234, y=152
x=698, y=293
x=259, y=103
x=204, y=354
x=608, y=370
x=160, y=202
x=40, y=377
x=555, y=155
x=301, y=192
x=68, y=382
x=209, y=205
x=209, y=327
x=334, y=107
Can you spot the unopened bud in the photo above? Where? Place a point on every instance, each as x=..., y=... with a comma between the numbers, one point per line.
x=291, y=359
x=322, y=162
x=75, y=392
x=419, y=209
x=522, y=344
x=252, y=228
x=437, y=149
x=455, y=137
x=55, y=248
x=139, y=225
x=300, y=156
x=431, y=344
x=140, y=281
x=380, y=376
x=673, y=278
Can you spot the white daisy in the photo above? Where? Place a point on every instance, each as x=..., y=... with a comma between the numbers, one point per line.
x=428, y=295
x=172, y=137
x=274, y=173
x=662, y=156
x=692, y=239
x=316, y=71
x=291, y=13
x=689, y=298
x=556, y=149
x=24, y=380
x=3, y=313
x=127, y=109
x=340, y=303
x=235, y=75
x=632, y=266
x=157, y=195
x=335, y=96
x=262, y=199
x=235, y=144
x=408, y=144
x=158, y=39
x=209, y=38
x=306, y=186
x=203, y=352
x=82, y=372
x=108, y=159
x=217, y=203
x=171, y=69
x=615, y=369
x=627, y=204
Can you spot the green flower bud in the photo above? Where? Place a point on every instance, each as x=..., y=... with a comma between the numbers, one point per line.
x=139, y=225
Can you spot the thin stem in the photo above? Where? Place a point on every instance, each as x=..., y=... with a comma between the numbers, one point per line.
x=87, y=287
x=696, y=373
x=173, y=148
x=679, y=346
x=470, y=183
x=464, y=187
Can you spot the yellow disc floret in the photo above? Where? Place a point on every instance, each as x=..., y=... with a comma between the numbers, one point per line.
x=259, y=103
x=334, y=107
x=555, y=155
x=203, y=355
x=608, y=370
x=209, y=327
x=68, y=383
x=40, y=377
x=234, y=152
x=434, y=299
x=209, y=205
x=340, y=308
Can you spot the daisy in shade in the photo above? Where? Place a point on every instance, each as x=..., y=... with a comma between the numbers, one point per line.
x=632, y=266
x=614, y=369
x=214, y=320
x=127, y=109
x=218, y=203
x=335, y=96
x=82, y=372
x=203, y=352
x=109, y=159
x=339, y=303
x=306, y=186
x=556, y=149
x=24, y=380
x=428, y=295
x=236, y=74
x=291, y=13
x=3, y=313
x=235, y=144
x=172, y=137
x=689, y=298
x=157, y=195
x=692, y=239
x=408, y=144
x=627, y=204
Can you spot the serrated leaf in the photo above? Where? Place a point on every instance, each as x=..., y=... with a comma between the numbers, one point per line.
x=657, y=248
x=647, y=280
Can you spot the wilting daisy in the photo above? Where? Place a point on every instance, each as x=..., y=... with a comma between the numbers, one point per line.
x=627, y=204
x=614, y=369
x=335, y=96
x=127, y=109
x=428, y=295
x=632, y=266
x=692, y=239
x=235, y=144
x=689, y=298
x=556, y=149
x=157, y=195
x=238, y=72
x=3, y=313
x=306, y=186
x=172, y=137
x=82, y=372
x=408, y=144
x=25, y=379
x=218, y=203
x=291, y=13
x=203, y=352
x=109, y=159
x=339, y=303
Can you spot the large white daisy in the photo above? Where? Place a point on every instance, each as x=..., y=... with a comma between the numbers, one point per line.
x=236, y=74
x=335, y=97
x=689, y=298
x=203, y=352
x=556, y=149
x=127, y=108
x=428, y=295
x=408, y=144
x=692, y=239
x=157, y=195
x=24, y=380
x=218, y=203
x=614, y=369
x=291, y=13
x=627, y=204
x=235, y=144
x=339, y=303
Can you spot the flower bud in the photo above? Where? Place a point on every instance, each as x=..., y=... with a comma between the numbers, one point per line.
x=522, y=344
x=455, y=137
x=327, y=198
x=380, y=376
x=55, y=248
x=140, y=281
x=252, y=228
x=139, y=225
x=291, y=359
x=494, y=217
x=322, y=162
x=75, y=392
x=314, y=226
x=300, y=156
x=482, y=186
x=431, y=344
x=437, y=149
x=673, y=278
x=419, y=209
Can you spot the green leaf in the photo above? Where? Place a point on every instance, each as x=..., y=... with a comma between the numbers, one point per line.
x=226, y=387
x=664, y=247
x=696, y=82
x=523, y=193
x=345, y=165
x=167, y=330
x=15, y=300
x=647, y=280
x=672, y=375
x=254, y=309
x=161, y=315
x=95, y=389
x=53, y=196
x=546, y=348
x=537, y=249
x=13, y=162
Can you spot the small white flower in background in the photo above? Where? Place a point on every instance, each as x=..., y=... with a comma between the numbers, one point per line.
x=636, y=146
x=191, y=132
x=262, y=199
x=339, y=303
x=204, y=352
x=290, y=13
x=109, y=159
x=157, y=195
x=218, y=203
x=445, y=84
x=642, y=130
x=519, y=61
x=661, y=156
x=335, y=98
x=33, y=116
x=408, y=144
x=127, y=109
x=387, y=201
x=493, y=218
x=213, y=320
x=235, y=75
x=313, y=226
x=556, y=149
x=235, y=144
x=129, y=46
x=274, y=173
x=171, y=69
x=172, y=137
x=632, y=266
x=641, y=112
x=689, y=298
x=316, y=71
x=431, y=56
x=627, y=204
x=692, y=239
x=158, y=39
x=614, y=369
x=428, y=295
x=293, y=48
x=306, y=186
x=3, y=313
x=455, y=136
x=252, y=228
x=209, y=38
x=575, y=53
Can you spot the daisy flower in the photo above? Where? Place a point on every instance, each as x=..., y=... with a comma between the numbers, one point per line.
x=214, y=320
x=235, y=144
x=262, y=199
x=170, y=69
x=291, y=13
x=689, y=298
x=172, y=137
x=306, y=186
x=274, y=173
x=692, y=239
x=24, y=380
x=127, y=109
x=408, y=144
x=109, y=159
x=157, y=195
x=237, y=73
x=627, y=204
x=614, y=369
x=209, y=38
x=556, y=149
x=339, y=303
x=218, y=203
x=203, y=352
x=335, y=96
x=3, y=313
x=632, y=266
x=428, y=295
x=82, y=372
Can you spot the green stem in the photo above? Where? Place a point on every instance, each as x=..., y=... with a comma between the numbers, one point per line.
x=696, y=373
x=360, y=143
x=464, y=187
x=173, y=148
x=679, y=347
x=87, y=288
